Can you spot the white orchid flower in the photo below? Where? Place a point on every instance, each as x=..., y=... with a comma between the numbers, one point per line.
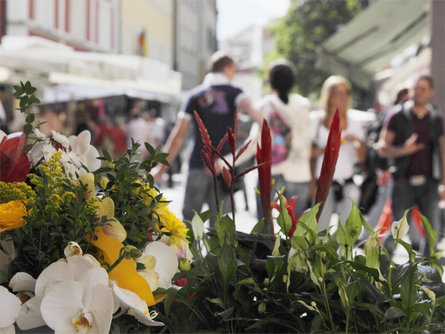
x=136, y=306
x=165, y=266
x=70, y=269
x=182, y=251
x=80, y=145
x=9, y=310
x=80, y=306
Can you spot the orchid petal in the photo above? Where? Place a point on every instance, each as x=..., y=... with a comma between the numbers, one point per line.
x=22, y=281
x=91, y=159
x=30, y=315
x=54, y=273
x=61, y=305
x=9, y=307
x=166, y=262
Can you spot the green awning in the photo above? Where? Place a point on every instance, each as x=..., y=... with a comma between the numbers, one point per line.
x=368, y=42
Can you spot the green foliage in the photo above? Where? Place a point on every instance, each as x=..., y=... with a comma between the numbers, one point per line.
x=318, y=283
x=305, y=27
x=129, y=184
x=25, y=94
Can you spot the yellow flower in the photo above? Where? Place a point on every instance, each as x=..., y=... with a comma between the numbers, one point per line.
x=124, y=273
x=171, y=225
x=11, y=215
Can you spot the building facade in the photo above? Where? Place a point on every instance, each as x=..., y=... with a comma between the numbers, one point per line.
x=85, y=25
x=147, y=29
x=195, y=39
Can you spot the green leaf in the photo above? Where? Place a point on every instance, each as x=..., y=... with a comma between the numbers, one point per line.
x=216, y=301
x=27, y=128
x=431, y=235
x=259, y=227
x=107, y=155
x=393, y=313
x=150, y=149
x=33, y=99
x=309, y=220
x=206, y=215
x=23, y=102
x=227, y=264
x=354, y=222
x=18, y=91
x=274, y=265
x=408, y=290
x=409, y=249
x=299, y=242
x=342, y=237
x=30, y=118
x=284, y=220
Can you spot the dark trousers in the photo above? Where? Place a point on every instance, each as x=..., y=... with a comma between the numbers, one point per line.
x=405, y=196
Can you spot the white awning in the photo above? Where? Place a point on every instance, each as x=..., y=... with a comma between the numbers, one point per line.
x=87, y=74
x=367, y=44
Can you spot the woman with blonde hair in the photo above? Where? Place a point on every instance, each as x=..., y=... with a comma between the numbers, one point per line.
x=335, y=95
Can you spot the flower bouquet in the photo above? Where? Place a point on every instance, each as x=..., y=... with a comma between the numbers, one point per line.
x=85, y=242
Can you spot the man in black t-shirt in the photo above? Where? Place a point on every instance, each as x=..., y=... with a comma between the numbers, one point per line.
x=216, y=102
x=413, y=137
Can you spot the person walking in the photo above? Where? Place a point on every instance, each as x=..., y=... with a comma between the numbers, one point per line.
x=335, y=95
x=216, y=102
x=413, y=138
x=288, y=117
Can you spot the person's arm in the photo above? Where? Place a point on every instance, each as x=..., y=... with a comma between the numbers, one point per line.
x=172, y=146
x=246, y=106
x=360, y=148
x=386, y=149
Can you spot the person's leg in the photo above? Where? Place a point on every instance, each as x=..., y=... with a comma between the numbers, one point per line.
x=196, y=192
x=402, y=198
x=427, y=200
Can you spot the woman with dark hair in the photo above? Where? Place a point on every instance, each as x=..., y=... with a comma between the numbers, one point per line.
x=288, y=117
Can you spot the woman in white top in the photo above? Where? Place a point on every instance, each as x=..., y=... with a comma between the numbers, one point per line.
x=335, y=94
x=288, y=118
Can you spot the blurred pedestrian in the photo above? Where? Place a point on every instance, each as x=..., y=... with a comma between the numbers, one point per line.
x=118, y=137
x=216, y=102
x=138, y=130
x=413, y=137
x=376, y=187
x=335, y=95
x=288, y=117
